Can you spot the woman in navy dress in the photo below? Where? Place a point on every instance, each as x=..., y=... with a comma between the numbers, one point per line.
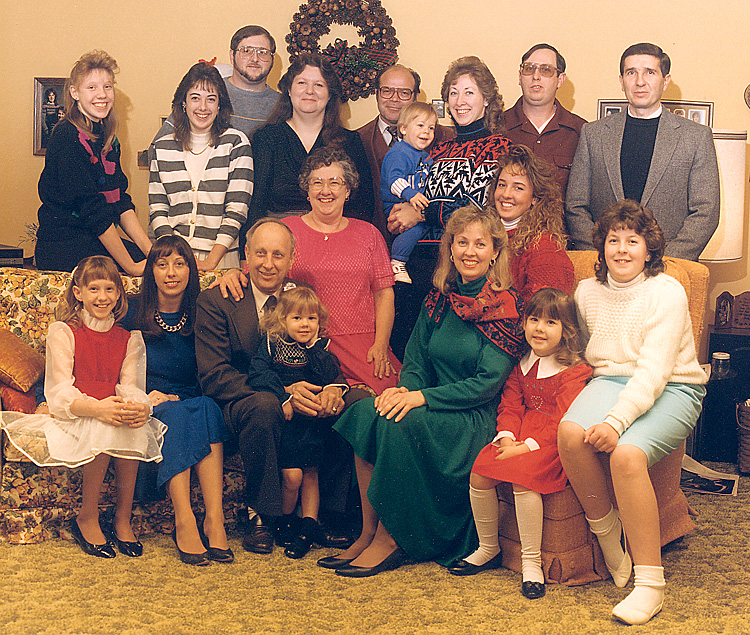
x=165, y=314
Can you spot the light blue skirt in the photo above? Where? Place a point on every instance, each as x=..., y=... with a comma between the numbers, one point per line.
x=659, y=431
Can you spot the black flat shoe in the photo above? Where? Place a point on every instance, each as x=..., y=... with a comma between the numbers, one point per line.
x=533, y=590
x=333, y=562
x=461, y=567
x=303, y=541
x=287, y=529
x=393, y=561
x=131, y=549
x=100, y=551
x=195, y=559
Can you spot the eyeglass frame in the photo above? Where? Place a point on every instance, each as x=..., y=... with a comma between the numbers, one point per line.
x=334, y=185
x=258, y=51
x=396, y=91
x=534, y=66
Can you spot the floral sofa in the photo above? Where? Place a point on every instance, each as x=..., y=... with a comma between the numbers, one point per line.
x=35, y=503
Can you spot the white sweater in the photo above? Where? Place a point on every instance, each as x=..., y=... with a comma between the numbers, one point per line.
x=640, y=330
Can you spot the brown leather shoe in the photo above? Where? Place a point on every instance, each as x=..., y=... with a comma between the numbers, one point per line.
x=258, y=539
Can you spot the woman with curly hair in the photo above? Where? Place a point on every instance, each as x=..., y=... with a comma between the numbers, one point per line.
x=527, y=198
x=202, y=172
x=642, y=403
x=305, y=118
x=460, y=172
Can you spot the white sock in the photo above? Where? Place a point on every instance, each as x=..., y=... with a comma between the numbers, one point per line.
x=484, y=506
x=609, y=533
x=529, y=516
x=646, y=599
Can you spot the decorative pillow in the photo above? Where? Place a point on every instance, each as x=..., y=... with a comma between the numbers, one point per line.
x=17, y=401
x=20, y=365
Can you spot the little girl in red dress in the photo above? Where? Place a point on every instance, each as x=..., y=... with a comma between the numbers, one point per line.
x=524, y=452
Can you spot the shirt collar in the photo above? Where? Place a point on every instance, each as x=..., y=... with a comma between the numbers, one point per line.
x=651, y=116
x=548, y=366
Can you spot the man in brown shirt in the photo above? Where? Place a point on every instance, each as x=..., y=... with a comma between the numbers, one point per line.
x=537, y=119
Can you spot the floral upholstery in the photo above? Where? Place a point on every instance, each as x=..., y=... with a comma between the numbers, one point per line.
x=35, y=503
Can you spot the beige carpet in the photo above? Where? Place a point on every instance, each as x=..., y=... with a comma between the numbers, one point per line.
x=54, y=589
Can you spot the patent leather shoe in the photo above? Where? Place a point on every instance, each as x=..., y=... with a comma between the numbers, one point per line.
x=462, y=567
x=287, y=529
x=224, y=556
x=303, y=541
x=131, y=549
x=100, y=551
x=533, y=590
x=195, y=559
x=333, y=562
x=391, y=562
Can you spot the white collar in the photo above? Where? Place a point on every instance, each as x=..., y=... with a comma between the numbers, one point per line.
x=626, y=285
x=260, y=298
x=95, y=324
x=513, y=224
x=653, y=115
x=548, y=366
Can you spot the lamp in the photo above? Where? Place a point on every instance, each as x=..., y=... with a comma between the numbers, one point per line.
x=726, y=243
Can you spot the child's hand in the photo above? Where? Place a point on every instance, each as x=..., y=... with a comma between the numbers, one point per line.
x=288, y=410
x=135, y=414
x=419, y=201
x=110, y=410
x=602, y=436
x=507, y=451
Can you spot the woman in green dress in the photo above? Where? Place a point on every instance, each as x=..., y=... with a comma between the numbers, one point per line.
x=415, y=444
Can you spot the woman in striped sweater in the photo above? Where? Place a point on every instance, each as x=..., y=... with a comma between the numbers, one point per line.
x=202, y=173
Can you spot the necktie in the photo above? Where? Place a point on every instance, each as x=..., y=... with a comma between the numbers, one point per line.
x=270, y=304
x=394, y=134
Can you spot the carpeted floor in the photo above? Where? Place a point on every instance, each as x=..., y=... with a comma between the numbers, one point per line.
x=53, y=589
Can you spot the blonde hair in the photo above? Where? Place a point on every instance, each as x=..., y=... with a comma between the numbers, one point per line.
x=471, y=65
x=89, y=269
x=557, y=305
x=444, y=278
x=414, y=110
x=92, y=61
x=296, y=299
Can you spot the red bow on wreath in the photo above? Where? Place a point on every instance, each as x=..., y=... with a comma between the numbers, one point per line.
x=343, y=57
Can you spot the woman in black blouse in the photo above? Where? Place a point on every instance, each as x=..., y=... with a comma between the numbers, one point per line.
x=305, y=118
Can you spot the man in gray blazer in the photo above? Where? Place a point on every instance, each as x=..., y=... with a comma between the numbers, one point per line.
x=647, y=154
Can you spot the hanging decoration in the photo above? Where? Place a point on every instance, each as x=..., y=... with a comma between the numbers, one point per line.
x=358, y=66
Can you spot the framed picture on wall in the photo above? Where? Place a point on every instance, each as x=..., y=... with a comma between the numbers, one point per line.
x=701, y=112
x=48, y=109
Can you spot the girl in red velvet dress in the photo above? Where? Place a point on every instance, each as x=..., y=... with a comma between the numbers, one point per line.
x=94, y=384
x=524, y=452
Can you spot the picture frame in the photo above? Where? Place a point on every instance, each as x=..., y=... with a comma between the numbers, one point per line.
x=439, y=106
x=701, y=112
x=47, y=113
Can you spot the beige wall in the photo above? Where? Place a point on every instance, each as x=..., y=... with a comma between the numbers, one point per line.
x=708, y=48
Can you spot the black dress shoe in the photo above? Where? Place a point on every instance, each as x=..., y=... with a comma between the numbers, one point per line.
x=393, y=561
x=324, y=537
x=225, y=556
x=333, y=562
x=461, y=567
x=132, y=549
x=195, y=559
x=287, y=529
x=303, y=541
x=533, y=590
x=100, y=551
x=258, y=539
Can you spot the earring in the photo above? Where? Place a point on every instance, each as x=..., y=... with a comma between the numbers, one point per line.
x=451, y=257
x=492, y=262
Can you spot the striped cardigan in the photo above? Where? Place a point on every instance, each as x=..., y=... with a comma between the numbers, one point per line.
x=214, y=212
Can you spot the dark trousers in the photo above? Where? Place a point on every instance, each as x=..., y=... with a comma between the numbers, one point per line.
x=64, y=255
x=255, y=424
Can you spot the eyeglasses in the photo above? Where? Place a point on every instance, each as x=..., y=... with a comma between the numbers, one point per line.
x=545, y=70
x=333, y=184
x=264, y=54
x=404, y=94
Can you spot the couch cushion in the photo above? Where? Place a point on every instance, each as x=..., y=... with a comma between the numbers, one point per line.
x=20, y=365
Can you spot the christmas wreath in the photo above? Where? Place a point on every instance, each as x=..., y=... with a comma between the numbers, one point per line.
x=358, y=66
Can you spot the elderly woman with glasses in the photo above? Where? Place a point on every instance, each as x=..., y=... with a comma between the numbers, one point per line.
x=346, y=261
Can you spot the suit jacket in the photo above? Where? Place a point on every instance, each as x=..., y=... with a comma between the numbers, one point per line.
x=682, y=188
x=375, y=149
x=226, y=336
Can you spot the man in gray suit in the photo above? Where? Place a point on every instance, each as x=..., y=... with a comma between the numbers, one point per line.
x=647, y=154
